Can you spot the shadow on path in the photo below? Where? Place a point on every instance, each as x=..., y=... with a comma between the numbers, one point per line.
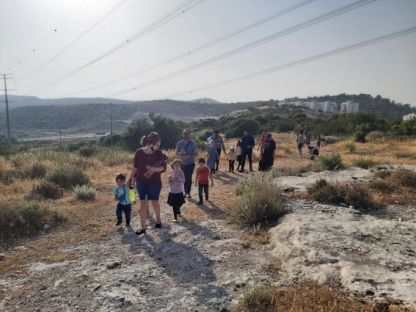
x=183, y=263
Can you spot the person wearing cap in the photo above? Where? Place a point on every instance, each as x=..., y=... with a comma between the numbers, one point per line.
x=219, y=145
x=176, y=180
x=149, y=162
x=186, y=150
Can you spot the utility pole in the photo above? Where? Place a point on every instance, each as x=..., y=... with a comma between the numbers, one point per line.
x=111, y=123
x=60, y=137
x=9, y=135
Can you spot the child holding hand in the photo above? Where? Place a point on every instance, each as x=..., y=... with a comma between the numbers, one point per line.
x=122, y=195
x=176, y=180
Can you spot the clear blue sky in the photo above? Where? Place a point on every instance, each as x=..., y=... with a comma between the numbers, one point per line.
x=28, y=37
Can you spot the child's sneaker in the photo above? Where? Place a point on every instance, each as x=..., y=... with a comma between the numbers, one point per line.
x=127, y=224
x=118, y=223
x=175, y=220
x=200, y=203
x=158, y=225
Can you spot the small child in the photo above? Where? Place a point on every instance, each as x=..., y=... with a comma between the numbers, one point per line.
x=203, y=175
x=122, y=195
x=176, y=184
x=239, y=155
x=231, y=159
x=212, y=156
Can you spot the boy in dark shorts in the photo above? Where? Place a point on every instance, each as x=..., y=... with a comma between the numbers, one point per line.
x=122, y=195
x=203, y=176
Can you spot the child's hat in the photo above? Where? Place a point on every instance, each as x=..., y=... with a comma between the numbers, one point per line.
x=177, y=161
x=232, y=148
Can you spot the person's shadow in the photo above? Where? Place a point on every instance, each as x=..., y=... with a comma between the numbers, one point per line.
x=182, y=262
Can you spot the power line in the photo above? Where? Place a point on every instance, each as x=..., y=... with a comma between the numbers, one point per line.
x=176, y=12
x=254, y=44
x=73, y=42
x=304, y=60
x=199, y=48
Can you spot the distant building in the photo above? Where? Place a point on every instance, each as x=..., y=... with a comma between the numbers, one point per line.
x=349, y=107
x=409, y=117
x=330, y=107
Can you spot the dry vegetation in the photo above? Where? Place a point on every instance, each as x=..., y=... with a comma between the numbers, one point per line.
x=24, y=176
x=308, y=297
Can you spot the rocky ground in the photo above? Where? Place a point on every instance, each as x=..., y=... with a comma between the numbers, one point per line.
x=206, y=264
x=200, y=265
x=371, y=255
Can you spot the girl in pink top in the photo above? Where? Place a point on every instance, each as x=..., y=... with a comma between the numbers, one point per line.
x=176, y=181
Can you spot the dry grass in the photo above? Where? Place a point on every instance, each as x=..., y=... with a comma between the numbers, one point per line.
x=308, y=297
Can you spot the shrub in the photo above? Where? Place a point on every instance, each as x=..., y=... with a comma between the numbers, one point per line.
x=330, y=140
x=260, y=202
x=360, y=132
x=46, y=190
x=68, y=177
x=351, y=147
x=404, y=154
x=21, y=218
x=381, y=186
x=375, y=136
x=405, y=178
x=84, y=193
x=308, y=297
x=335, y=193
x=365, y=163
x=87, y=151
x=333, y=162
x=37, y=171
x=382, y=173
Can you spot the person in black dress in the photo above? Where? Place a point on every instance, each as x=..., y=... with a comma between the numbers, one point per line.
x=268, y=155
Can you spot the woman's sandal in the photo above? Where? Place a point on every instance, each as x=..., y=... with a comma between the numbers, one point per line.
x=140, y=232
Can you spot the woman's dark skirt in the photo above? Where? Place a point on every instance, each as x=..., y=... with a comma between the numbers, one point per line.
x=176, y=199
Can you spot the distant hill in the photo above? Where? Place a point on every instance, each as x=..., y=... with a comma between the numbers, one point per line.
x=93, y=115
x=21, y=100
x=205, y=101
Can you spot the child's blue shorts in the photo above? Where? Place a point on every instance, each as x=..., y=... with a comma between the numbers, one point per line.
x=149, y=191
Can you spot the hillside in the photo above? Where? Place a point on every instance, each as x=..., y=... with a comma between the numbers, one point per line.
x=378, y=105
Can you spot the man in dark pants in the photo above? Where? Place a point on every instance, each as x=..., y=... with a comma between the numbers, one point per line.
x=247, y=145
x=219, y=144
x=186, y=149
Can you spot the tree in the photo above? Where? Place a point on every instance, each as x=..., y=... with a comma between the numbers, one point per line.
x=237, y=127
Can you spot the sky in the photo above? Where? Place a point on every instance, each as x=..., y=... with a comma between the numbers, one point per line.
x=49, y=48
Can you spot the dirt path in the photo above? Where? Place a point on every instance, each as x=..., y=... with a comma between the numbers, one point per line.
x=203, y=264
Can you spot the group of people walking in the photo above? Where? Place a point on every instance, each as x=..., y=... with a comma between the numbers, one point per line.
x=149, y=163
x=304, y=140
